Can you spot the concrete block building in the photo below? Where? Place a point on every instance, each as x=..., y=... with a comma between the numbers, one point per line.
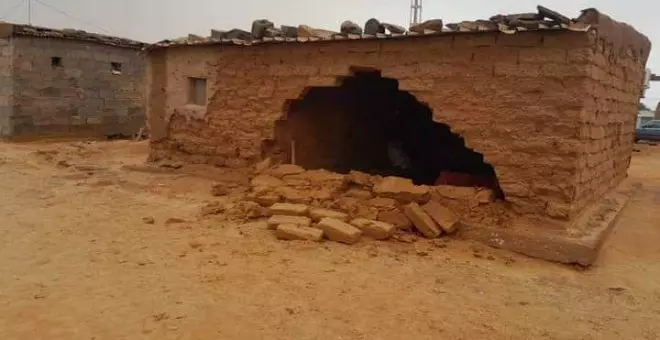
x=547, y=110
x=69, y=83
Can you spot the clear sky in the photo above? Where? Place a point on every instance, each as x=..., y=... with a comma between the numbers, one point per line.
x=154, y=20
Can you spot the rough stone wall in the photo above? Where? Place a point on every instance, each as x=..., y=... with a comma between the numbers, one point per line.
x=6, y=88
x=517, y=99
x=617, y=70
x=80, y=97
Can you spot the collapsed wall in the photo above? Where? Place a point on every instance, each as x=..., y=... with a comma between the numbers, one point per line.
x=528, y=102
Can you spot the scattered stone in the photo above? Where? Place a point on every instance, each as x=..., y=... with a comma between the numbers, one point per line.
x=434, y=25
x=443, y=216
x=319, y=214
x=349, y=27
x=285, y=169
x=294, y=232
x=253, y=210
x=173, y=165
x=267, y=200
x=484, y=196
x=401, y=189
x=273, y=32
x=259, y=27
x=404, y=237
x=548, y=13
x=294, y=196
x=397, y=218
x=338, y=231
x=195, y=244
x=266, y=181
x=359, y=194
x=276, y=220
x=422, y=221
x=148, y=220
x=394, y=29
x=439, y=243
x=289, y=209
x=213, y=208
x=373, y=27
x=362, y=211
x=375, y=229
x=490, y=258
x=455, y=193
x=219, y=189
x=174, y=220
x=422, y=253
x=308, y=32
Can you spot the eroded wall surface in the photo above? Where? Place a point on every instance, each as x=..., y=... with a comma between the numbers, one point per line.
x=82, y=96
x=517, y=99
x=6, y=86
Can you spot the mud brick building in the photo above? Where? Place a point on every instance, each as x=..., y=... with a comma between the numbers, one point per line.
x=549, y=109
x=69, y=83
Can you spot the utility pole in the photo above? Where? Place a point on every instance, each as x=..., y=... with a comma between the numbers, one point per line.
x=415, y=12
x=29, y=5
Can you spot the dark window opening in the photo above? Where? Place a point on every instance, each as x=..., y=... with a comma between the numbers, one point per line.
x=197, y=91
x=368, y=124
x=116, y=68
x=56, y=62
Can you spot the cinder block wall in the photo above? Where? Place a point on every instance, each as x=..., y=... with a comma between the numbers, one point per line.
x=517, y=99
x=6, y=86
x=81, y=97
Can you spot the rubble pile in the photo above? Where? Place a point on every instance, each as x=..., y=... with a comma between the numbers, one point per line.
x=304, y=204
x=265, y=30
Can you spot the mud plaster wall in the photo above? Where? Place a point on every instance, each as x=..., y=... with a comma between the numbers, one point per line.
x=6, y=88
x=81, y=97
x=517, y=99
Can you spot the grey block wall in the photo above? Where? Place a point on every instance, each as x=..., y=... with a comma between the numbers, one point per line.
x=82, y=96
x=6, y=87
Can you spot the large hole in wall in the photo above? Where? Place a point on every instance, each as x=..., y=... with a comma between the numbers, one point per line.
x=367, y=124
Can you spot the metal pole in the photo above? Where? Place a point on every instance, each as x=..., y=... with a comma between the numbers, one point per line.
x=30, y=12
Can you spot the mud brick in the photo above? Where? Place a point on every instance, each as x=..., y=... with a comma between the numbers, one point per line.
x=422, y=221
x=338, y=231
x=443, y=216
x=318, y=214
x=292, y=232
x=289, y=209
x=375, y=229
x=276, y=220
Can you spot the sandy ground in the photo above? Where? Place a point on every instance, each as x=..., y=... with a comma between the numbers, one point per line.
x=78, y=262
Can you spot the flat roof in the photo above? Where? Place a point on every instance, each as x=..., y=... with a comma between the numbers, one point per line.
x=20, y=30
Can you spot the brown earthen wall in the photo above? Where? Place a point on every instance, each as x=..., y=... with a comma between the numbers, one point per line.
x=517, y=99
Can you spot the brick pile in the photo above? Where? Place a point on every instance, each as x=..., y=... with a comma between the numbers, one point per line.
x=311, y=205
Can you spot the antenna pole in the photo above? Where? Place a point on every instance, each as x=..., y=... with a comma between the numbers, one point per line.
x=29, y=4
x=415, y=12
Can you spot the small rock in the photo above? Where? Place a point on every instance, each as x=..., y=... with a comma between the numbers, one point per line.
x=148, y=220
x=195, y=244
x=373, y=27
x=174, y=220
x=259, y=27
x=438, y=243
x=359, y=178
x=338, y=231
x=404, y=237
x=484, y=196
x=490, y=258
x=285, y=169
x=213, y=208
x=173, y=165
x=253, y=210
x=397, y=218
x=289, y=31
x=359, y=194
x=401, y=189
x=294, y=232
x=289, y=209
x=382, y=203
x=276, y=220
x=375, y=229
x=220, y=189
x=422, y=253
x=349, y=27
x=273, y=32
x=319, y=214
x=267, y=181
x=267, y=200
x=263, y=165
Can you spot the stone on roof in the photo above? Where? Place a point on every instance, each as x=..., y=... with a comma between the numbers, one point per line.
x=68, y=34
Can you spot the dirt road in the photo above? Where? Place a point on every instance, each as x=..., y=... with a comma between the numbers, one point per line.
x=78, y=262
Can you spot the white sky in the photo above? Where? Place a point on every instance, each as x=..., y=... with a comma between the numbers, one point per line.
x=154, y=20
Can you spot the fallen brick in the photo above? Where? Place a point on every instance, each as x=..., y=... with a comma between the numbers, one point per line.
x=276, y=220
x=422, y=221
x=358, y=193
x=375, y=229
x=286, y=169
x=319, y=214
x=382, y=203
x=266, y=181
x=289, y=209
x=263, y=165
x=267, y=200
x=338, y=231
x=401, y=189
x=395, y=217
x=443, y=216
x=292, y=232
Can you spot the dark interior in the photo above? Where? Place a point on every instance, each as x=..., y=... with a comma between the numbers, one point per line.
x=357, y=125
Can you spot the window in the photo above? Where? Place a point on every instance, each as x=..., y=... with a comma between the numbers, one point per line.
x=197, y=91
x=56, y=62
x=116, y=68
